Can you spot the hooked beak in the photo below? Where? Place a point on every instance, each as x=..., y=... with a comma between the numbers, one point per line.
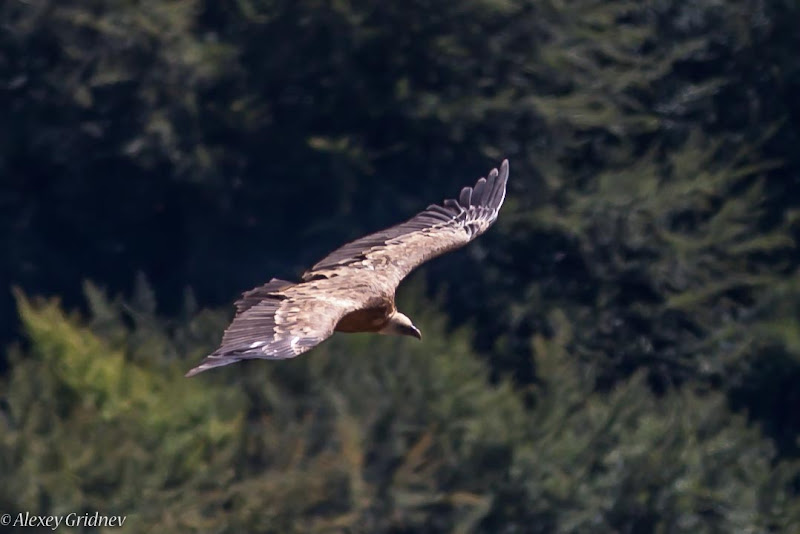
x=414, y=331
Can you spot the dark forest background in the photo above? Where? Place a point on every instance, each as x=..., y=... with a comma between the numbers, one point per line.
x=619, y=353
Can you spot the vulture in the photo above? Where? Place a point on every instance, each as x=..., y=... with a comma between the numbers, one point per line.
x=352, y=289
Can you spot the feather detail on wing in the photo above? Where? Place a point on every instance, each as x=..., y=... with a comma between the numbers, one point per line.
x=281, y=325
x=396, y=251
x=258, y=294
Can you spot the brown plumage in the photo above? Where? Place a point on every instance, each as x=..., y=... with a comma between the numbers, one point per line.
x=352, y=289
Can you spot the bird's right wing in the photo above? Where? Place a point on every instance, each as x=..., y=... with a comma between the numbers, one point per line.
x=388, y=256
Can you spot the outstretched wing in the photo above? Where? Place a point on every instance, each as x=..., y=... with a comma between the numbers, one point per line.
x=393, y=253
x=276, y=324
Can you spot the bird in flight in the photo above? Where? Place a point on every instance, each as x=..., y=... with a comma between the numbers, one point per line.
x=352, y=289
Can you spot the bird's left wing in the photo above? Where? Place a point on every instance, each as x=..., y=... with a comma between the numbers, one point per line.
x=388, y=256
x=281, y=324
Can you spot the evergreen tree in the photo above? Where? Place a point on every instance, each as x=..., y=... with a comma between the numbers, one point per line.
x=367, y=434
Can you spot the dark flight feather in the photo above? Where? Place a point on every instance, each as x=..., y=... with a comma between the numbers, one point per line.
x=256, y=295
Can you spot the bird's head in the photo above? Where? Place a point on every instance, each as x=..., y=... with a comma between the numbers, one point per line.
x=400, y=325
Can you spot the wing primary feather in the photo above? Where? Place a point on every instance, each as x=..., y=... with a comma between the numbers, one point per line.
x=465, y=198
x=477, y=193
x=491, y=179
x=499, y=193
x=489, y=191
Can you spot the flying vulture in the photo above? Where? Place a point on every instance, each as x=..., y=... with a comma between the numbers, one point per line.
x=352, y=289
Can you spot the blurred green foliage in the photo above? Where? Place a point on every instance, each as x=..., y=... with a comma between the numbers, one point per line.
x=370, y=434
x=620, y=353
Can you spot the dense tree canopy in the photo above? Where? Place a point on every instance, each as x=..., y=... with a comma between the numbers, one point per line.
x=620, y=353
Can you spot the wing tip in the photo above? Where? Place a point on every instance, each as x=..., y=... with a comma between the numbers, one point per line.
x=196, y=370
x=504, y=168
x=488, y=192
x=495, y=191
x=502, y=174
x=209, y=363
